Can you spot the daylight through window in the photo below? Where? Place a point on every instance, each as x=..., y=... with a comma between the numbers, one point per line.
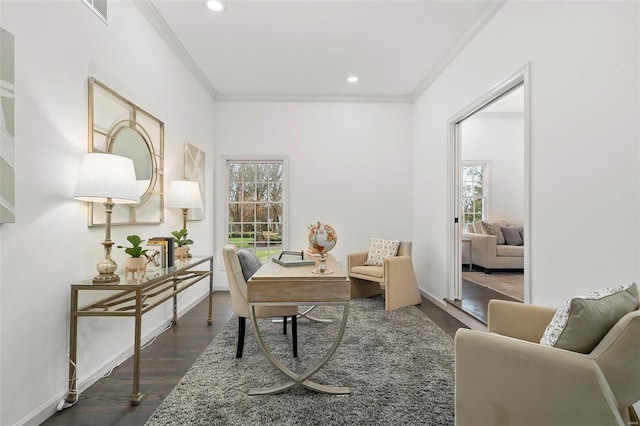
x=255, y=206
x=474, y=193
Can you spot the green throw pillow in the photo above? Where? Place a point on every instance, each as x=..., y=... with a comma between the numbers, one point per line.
x=583, y=321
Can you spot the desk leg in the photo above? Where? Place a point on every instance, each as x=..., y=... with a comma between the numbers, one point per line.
x=136, y=396
x=210, y=319
x=305, y=314
x=72, y=396
x=302, y=379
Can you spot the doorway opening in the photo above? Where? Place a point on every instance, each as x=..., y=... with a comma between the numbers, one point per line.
x=489, y=189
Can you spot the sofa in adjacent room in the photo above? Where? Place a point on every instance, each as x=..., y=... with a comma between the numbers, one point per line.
x=495, y=244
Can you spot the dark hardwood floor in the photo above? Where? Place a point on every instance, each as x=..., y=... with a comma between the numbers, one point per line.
x=163, y=364
x=475, y=300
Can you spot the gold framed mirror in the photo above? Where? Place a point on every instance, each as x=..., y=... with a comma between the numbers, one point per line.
x=118, y=126
x=130, y=140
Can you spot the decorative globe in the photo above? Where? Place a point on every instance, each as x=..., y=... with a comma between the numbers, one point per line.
x=322, y=238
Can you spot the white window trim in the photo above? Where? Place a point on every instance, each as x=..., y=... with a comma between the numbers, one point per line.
x=285, y=198
x=486, y=183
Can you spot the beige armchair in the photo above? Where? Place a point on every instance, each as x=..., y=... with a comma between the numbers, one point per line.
x=240, y=305
x=505, y=377
x=395, y=276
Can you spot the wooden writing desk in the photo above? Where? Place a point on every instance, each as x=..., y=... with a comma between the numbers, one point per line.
x=276, y=285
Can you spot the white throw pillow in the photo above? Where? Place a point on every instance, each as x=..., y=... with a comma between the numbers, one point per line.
x=380, y=249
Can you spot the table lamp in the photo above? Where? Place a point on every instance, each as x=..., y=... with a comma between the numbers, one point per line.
x=109, y=179
x=185, y=195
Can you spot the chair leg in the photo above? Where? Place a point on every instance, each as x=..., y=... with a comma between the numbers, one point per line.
x=284, y=325
x=242, y=322
x=294, y=334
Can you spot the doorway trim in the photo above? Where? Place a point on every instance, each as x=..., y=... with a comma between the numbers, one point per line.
x=522, y=76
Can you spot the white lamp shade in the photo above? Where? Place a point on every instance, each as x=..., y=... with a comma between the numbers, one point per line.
x=184, y=194
x=104, y=176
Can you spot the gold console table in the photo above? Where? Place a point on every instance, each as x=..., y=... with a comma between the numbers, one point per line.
x=134, y=298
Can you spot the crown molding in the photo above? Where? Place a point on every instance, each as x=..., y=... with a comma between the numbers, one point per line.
x=485, y=17
x=399, y=99
x=160, y=25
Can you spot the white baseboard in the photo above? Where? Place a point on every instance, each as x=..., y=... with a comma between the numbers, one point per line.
x=46, y=410
x=466, y=319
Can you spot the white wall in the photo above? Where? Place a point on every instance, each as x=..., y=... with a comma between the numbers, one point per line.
x=584, y=142
x=59, y=44
x=350, y=165
x=500, y=142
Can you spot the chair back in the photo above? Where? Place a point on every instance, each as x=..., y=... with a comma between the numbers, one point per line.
x=404, y=249
x=617, y=355
x=237, y=283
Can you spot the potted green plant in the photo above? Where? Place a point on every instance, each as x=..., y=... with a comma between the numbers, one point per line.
x=136, y=263
x=182, y=243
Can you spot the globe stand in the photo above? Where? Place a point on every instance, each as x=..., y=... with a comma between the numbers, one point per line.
x=322, y=267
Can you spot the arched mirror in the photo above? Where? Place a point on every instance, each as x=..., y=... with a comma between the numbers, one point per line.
x=118, y=126
x=132, y=143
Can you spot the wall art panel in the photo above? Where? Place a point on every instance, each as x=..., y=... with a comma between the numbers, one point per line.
x=7, y=127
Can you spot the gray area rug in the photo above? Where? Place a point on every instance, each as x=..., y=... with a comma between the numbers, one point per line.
x=399, y=366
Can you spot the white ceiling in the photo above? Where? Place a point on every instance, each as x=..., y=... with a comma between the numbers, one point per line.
x=303, y=49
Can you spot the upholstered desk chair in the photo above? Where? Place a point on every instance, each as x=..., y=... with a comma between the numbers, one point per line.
x=505, y=377
x=395, y=276
x=238, y=278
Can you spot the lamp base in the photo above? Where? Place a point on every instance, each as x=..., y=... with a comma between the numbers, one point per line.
x=106, y=278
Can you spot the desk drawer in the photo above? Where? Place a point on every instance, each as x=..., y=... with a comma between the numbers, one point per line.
x=299, y=291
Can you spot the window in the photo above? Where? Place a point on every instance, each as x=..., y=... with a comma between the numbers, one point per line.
x=474, y=192
x=255, y=205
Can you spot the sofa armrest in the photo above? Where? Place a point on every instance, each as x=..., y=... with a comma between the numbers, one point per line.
x=483, y=249
x=500, y=380
x=514, y=319
x=356, y=259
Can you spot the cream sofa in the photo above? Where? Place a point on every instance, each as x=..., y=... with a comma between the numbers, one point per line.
x=487, y=253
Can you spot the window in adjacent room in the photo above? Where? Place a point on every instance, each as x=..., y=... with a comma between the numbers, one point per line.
x=255, y=205
x=474, y=192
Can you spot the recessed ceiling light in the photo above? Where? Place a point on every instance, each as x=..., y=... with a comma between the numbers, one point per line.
x=215, y=5
x=353, y=79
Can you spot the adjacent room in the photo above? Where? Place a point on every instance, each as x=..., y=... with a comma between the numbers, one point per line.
x=310, y=212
